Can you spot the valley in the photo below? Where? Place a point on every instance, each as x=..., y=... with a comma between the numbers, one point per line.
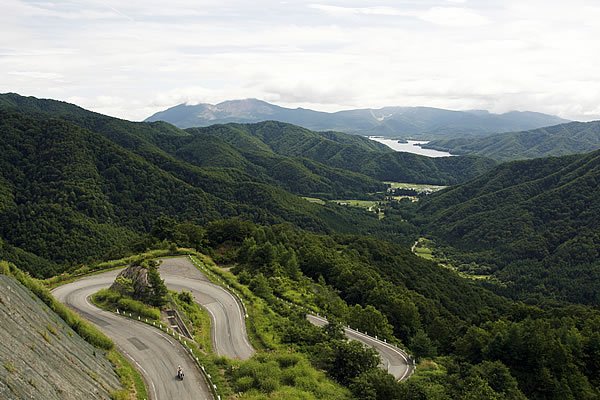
x=303, y=224
x=299, y=200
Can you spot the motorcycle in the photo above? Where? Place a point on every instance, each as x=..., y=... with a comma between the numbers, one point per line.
x=180, y=374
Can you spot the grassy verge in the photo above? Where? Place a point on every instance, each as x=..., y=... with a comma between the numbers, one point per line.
x=259, y=323
x=276, y=371
x=134, y=387
x=110, y=300
x=197, y=320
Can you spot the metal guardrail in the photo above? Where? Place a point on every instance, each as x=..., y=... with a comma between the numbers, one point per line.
x=231, y=289
x=409, y=359
x=184, y=342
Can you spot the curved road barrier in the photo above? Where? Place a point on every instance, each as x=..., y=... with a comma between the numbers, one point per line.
x=393, y=359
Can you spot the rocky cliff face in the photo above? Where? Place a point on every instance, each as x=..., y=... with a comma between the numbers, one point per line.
x=41, y=357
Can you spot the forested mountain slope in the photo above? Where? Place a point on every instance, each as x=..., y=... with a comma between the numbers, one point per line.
x=77, y=186
x=70, y=194
x=347, y=152
x=558, y=140
x=388, y=121
x=536, y=222
x=490, y=347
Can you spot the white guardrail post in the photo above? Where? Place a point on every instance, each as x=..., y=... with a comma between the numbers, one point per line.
x=213, y=388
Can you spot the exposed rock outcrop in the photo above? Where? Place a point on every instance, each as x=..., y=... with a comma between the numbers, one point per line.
x=132, y=281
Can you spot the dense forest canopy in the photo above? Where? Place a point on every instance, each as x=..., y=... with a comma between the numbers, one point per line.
x=77, y=186
x=484, y=345
x=535, y=222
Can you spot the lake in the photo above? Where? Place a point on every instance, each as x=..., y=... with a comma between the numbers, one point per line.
x=412, y=146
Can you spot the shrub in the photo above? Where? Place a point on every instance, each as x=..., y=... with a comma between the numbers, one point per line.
x=186, y=297
x=139, y=308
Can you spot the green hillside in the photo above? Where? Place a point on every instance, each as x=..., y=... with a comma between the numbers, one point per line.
x=353, y=153
x=77, y=186
x=475, y=344
x=535, y=222
x=557, y=140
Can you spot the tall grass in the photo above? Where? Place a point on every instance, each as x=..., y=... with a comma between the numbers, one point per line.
x=133, y=384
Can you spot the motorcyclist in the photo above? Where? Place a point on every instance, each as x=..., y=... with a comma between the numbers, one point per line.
x=179, y=372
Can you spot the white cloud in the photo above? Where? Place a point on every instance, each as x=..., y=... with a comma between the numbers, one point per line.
x=37, y=75
x=446, y=16
x=536, y=55
x=337, y=10
x=453, y=16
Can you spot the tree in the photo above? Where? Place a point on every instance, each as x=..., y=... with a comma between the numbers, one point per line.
x=422, y=346
x=186, y=297
x=158, y=290
x=350, y=359
x=371, y=320
x=499, y=378
x=375, y=384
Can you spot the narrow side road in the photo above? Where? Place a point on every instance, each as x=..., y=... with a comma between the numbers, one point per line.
x=393, y=360
x=154, y=353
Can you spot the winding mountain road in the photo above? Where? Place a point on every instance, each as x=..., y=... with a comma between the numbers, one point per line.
x=227, y=316
x=155, y=353
x=393, y=360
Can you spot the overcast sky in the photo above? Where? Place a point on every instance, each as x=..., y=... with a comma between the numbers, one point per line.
x=133, y=58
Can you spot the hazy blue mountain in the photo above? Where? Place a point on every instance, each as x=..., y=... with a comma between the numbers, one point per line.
x=557, y=140
x=416, y=122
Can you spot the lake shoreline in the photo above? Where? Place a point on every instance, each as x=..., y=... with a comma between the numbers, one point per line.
x=410, y=146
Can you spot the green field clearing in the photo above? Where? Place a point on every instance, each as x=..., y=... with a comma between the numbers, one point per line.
x=411, y=198
x=424, y=249
x=418, y=187
x=314, y=200
x=357, y=203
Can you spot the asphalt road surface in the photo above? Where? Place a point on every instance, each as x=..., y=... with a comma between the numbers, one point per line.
x=393, y=360
x=154, y=353
x=227, y=316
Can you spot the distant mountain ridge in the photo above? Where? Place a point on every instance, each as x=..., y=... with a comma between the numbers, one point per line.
x=416, y=122
x=557, y=140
